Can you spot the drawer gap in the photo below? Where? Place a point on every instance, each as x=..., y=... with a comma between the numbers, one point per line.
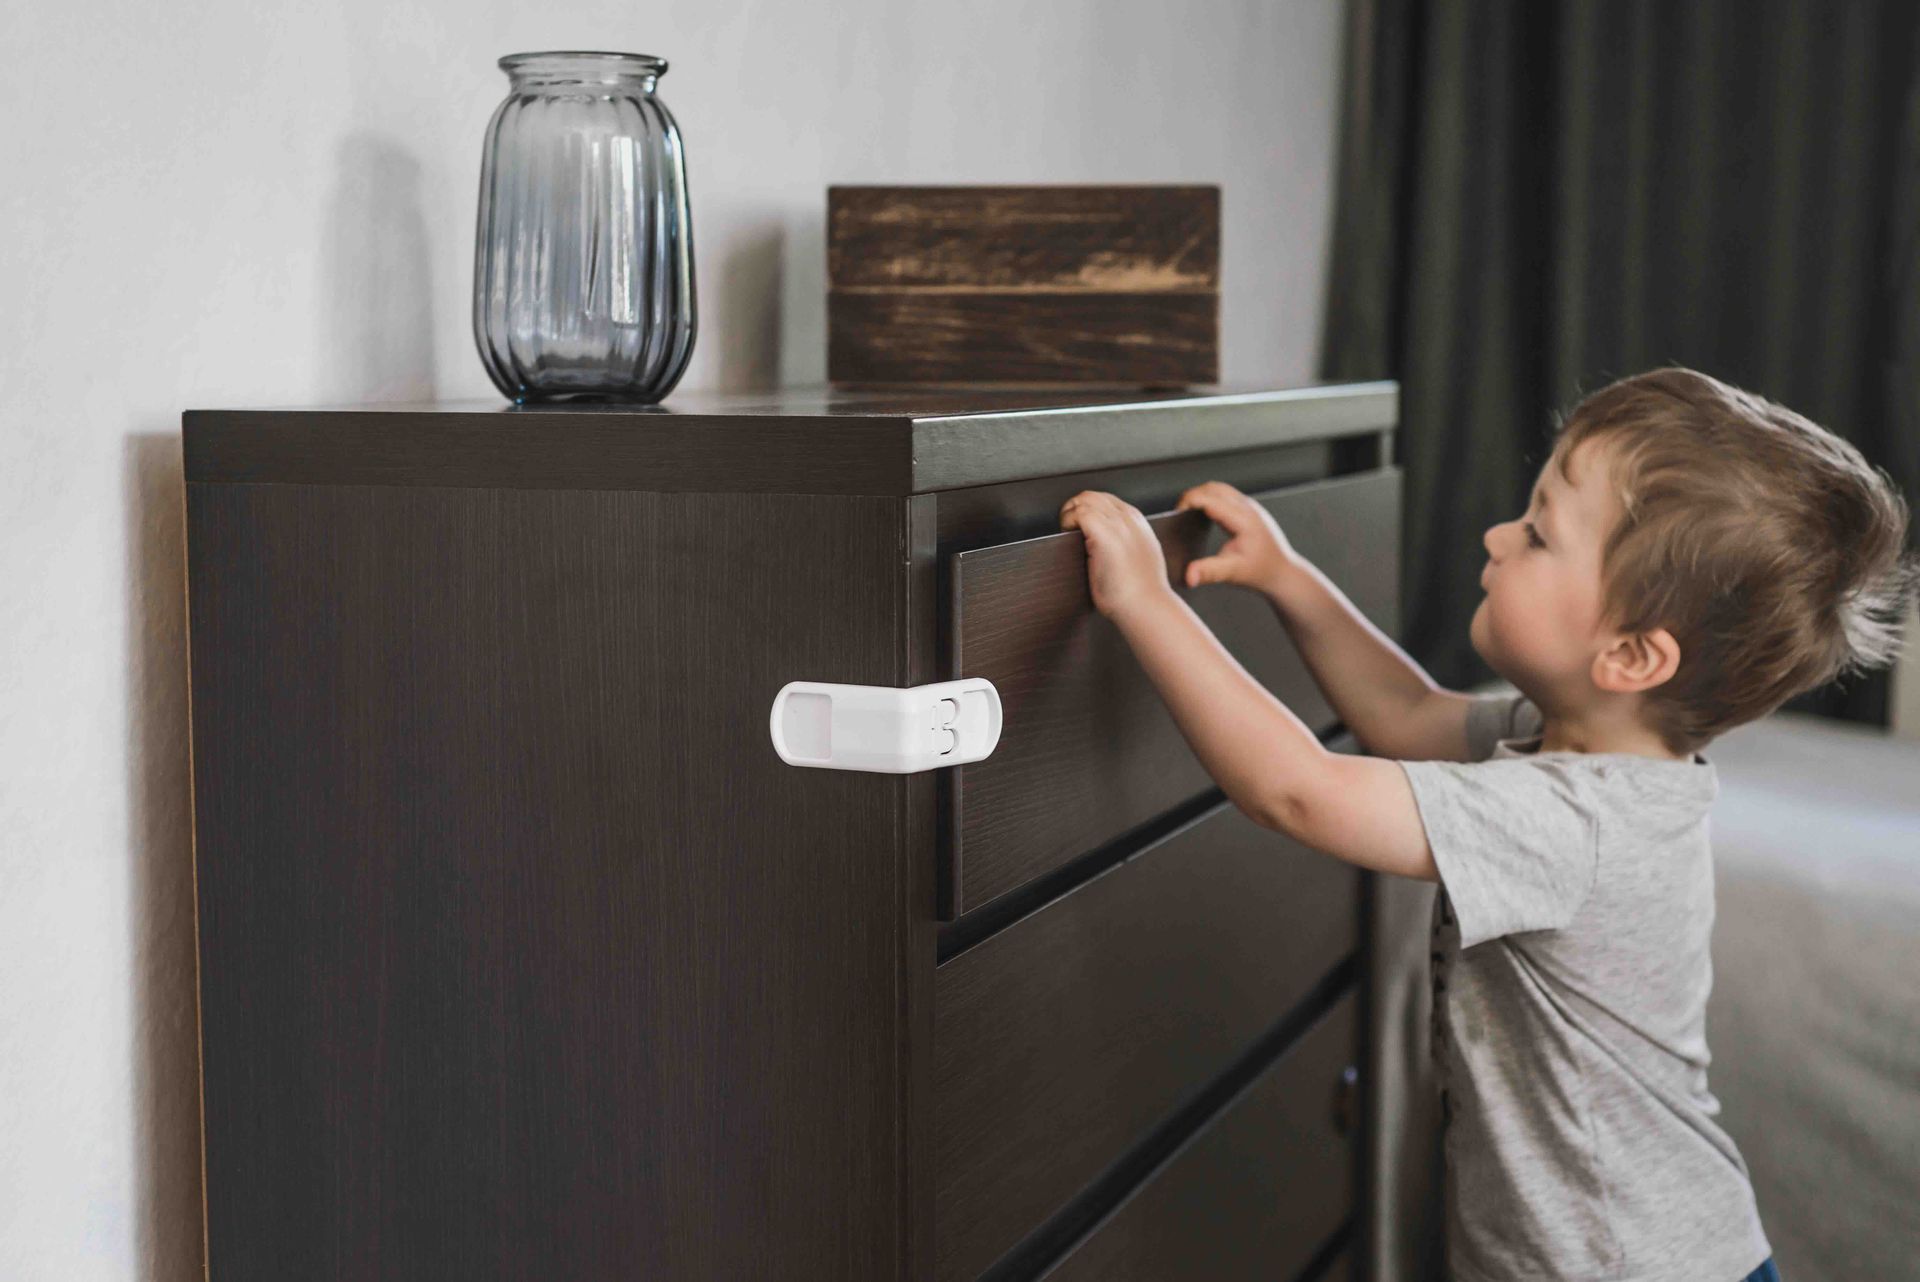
x=1041, y=1249
x=996, y=915
x=1361, y=452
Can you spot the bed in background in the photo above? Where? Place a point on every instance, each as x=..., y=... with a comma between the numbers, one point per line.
x=1814, y=1022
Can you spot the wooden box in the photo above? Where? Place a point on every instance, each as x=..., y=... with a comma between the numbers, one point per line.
x=1024, y=284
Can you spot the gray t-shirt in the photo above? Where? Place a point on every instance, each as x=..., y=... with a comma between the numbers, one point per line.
x=1570, y=981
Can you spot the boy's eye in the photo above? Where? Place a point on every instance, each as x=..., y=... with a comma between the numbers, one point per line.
x=1533, y=536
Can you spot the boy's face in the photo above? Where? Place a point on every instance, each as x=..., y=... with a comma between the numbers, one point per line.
x=1540, y=623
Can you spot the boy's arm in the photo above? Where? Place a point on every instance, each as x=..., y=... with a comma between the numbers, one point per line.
x=1386, y=699
x=1264, y=758
x=1382, y=695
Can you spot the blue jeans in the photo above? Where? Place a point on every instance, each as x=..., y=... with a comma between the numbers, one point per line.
x=1765, y=1273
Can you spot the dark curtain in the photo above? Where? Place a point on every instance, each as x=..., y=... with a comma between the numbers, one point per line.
x=1537, y=198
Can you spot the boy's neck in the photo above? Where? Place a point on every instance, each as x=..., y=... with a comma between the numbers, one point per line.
x=1562, y=732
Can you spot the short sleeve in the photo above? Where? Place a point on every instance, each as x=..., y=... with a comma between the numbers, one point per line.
x=1493, y=717
x=1515, y=841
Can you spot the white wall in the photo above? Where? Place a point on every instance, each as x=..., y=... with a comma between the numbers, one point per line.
x=240, y=204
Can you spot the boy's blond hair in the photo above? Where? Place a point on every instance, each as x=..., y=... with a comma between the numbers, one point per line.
x=1771, y=550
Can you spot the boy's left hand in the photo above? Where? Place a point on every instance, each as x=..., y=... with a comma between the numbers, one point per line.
x=1126, y=567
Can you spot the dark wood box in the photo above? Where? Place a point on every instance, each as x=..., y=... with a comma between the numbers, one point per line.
x=1116, y=285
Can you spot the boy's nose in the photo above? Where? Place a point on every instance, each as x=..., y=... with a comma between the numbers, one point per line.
x=1487, y=540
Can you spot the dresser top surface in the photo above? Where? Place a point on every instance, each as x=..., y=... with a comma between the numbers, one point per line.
x=807, y=439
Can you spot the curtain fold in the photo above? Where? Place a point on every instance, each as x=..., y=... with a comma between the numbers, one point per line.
x=1536, y=198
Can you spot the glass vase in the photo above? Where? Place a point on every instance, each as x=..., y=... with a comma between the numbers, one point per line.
x=583, y=260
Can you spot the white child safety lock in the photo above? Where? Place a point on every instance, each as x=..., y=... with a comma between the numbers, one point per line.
x=884, y=728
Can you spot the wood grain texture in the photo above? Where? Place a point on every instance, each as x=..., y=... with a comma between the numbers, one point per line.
x=522, y=954
x=1065, y=1036
x=1088, y=749
x=1106, y=239
x=1253, y=1196
x=957, y=337
x=924, y=811
x=994, y=284
x=984, y=515
x=802, y=440
x=614, y=449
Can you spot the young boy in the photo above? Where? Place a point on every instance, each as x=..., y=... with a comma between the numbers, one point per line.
x=1693, y=556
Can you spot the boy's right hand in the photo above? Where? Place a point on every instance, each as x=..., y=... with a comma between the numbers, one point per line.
x=1256, y=555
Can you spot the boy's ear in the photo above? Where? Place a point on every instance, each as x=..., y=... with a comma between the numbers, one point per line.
x=1637, y=661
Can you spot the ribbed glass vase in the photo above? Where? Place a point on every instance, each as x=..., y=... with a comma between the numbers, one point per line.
x=583, y=260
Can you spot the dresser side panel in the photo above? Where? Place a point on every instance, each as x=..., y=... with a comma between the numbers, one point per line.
x=522, y=954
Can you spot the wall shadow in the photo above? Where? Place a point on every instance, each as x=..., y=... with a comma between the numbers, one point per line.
x=376, y=345
x=747, y=298
x=166, y=1033
x=376, y=277
x=803, y=297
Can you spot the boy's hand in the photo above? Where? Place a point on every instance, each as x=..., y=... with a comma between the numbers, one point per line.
x=1125, y=565
x=1257, y=555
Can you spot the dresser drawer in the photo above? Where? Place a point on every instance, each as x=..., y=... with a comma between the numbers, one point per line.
x=1088, y=749
x=1256, y=1194
x=1062, y=1039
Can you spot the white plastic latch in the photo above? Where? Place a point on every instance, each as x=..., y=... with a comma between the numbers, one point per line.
x=885, y=728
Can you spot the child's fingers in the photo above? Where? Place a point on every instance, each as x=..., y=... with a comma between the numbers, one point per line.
x=1222, y=503
x=1089, y=517
x=1210, y=492
x=1221, y=567
x=1195, y=497
x=1090, y=506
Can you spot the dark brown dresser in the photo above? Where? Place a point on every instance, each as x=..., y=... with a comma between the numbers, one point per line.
x=524, y=955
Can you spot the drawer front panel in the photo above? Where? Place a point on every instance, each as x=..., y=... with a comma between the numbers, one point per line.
x=1061, y=1040
x=1088, y=749
x=1254, y=1195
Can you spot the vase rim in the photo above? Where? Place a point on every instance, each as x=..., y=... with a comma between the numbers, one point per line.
x=600, y=64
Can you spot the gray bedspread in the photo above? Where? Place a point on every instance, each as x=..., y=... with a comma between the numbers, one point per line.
x=1814, y=1021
